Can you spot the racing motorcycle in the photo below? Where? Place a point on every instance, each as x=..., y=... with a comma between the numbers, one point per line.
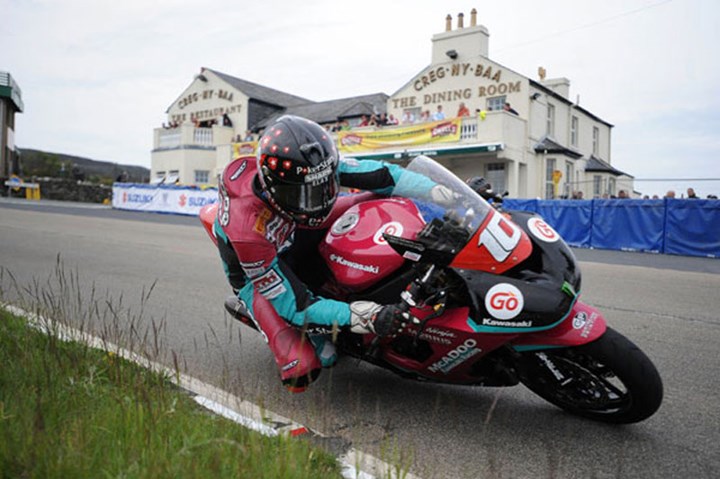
x=488, y=298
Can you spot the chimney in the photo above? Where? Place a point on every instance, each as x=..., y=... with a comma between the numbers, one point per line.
x=460, y=44
x=561, y=86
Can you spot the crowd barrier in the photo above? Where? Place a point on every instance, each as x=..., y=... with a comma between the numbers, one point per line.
x=671, y=226
x=184, y=200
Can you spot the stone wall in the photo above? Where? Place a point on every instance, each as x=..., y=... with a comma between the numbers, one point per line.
x=70, y=190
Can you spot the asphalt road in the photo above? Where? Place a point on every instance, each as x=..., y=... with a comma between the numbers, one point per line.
x=667, y=305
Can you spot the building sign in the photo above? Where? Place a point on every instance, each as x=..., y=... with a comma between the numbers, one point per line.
x=443, y=131
x=204, y=105
x=493, y=77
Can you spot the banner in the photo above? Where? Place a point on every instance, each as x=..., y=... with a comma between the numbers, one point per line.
x=183, y=200
x=444, y=131
x=246, y=148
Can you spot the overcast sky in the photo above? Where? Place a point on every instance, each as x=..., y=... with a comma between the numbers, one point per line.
x=97, y=76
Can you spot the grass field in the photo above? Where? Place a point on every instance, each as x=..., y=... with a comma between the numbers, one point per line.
x=70, y=411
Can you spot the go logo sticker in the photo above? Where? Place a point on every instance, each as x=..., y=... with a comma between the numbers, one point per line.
x=542, y=230
x=393, y=228
x=504, y=301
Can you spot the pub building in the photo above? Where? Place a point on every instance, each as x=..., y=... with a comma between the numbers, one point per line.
x=525, y=136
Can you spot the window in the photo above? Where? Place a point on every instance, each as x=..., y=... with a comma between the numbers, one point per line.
x=597, y=186
x=496, y=103
x=202, y=176
x=173, y=177
x=549, y=186
x=495, y=175
x=159, y=177
x=574, y=131
x=611, y=186
x=596, y=140
x=550, y=120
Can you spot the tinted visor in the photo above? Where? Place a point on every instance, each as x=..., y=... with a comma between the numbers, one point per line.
x=314, y=200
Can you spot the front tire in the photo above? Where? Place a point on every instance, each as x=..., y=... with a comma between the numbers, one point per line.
x=609, y=380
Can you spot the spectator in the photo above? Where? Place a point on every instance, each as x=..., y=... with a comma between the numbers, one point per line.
x=425, y=116
x=691, y=193
x=622, y=194
x=712, y=197
x=226, y=120
x=364, y=121
x=509, y=109
x=670, y=194
x=408, y=117
x=248, y=136
x=392, y=120
x=655, y=197
x=439, y=114
x=373, y=120
x=463, y=110
x=382, y=120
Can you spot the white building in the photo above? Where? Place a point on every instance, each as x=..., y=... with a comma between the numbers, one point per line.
x=547, y=147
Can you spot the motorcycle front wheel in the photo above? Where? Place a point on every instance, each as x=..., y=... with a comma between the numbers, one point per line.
x=609, y=380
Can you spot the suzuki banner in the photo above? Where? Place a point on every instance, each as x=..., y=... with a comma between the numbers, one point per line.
x=443, y=131
x=184, y=200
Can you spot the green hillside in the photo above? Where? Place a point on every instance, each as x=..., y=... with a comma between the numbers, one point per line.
x=59, y=165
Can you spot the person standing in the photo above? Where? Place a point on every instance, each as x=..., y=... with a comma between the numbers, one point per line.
x=439, y=114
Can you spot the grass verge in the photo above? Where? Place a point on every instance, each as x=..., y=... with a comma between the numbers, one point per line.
x=68, y=410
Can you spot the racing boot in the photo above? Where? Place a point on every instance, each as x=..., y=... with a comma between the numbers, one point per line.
x=294, y=352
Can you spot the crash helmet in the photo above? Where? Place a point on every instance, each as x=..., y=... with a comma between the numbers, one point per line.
x=480, y=185
x=298, y=169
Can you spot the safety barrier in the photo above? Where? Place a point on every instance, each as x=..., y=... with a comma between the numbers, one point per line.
x=670, y=226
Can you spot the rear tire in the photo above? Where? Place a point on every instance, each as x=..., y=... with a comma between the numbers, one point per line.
x=609, y=380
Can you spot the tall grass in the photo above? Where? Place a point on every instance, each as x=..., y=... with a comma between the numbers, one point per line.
x=69, y=410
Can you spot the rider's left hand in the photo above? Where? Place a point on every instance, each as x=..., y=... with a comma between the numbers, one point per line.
x=442, y=195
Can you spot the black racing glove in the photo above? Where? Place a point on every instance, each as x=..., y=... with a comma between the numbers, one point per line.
x=390, y=321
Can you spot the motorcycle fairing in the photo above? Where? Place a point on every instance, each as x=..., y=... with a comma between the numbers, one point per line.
x=449, y=348
x=497, y=246
x=535, y=295
x=586, y=325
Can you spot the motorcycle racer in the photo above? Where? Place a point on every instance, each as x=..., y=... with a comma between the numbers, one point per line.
x=268, y=201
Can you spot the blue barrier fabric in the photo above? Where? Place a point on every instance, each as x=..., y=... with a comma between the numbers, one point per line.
x=634, y=225
x=571, y=219
x=672, y=226
x=693, y=227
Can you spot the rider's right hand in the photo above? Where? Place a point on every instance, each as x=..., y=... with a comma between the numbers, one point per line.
x=383, y=320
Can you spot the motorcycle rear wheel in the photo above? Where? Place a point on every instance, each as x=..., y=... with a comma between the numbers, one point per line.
x=609, y=380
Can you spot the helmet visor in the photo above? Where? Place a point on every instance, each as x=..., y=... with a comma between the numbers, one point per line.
x=314, y=200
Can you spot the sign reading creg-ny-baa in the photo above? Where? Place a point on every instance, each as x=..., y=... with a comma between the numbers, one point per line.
x=204, y=96
x=439, y=74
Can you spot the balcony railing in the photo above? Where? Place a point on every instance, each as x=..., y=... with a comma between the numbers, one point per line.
x=189, y=136
x=496, y=126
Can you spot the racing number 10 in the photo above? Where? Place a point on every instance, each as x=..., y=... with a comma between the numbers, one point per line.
x=500, y=237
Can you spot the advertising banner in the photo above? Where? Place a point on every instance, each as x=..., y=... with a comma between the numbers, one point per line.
x=245, y=148
x=443, y=131
x=184, y=200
